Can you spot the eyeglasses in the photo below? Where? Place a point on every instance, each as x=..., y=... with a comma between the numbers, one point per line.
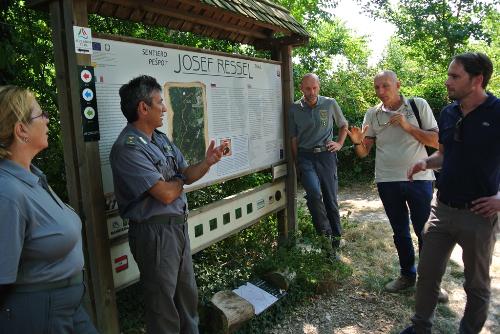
x=44, y=114
x=383, y=125
x=457, y=135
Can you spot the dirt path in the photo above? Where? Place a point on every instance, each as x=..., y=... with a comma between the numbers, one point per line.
x=360, y=305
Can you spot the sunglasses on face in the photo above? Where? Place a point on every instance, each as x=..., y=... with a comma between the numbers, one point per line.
x=457, y=135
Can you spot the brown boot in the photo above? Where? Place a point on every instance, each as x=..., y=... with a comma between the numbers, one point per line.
x=399, y=284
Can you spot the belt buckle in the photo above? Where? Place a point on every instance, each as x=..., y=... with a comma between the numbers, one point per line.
x=316, y=149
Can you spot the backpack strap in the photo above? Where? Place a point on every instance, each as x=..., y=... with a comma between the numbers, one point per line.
x=416, y=112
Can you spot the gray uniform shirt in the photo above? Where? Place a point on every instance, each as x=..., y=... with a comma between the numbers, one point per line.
x=314, y=126
x=138, y=164
x=40, y=236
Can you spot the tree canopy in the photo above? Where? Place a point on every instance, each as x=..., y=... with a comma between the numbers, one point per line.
x=428, y=34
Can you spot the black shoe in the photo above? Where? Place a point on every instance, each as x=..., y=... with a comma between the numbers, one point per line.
x=443, y=296
x=409, y=330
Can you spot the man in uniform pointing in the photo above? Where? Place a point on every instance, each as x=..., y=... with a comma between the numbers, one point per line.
x=149, y=173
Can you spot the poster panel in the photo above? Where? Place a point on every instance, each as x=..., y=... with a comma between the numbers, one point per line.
x=208, y=97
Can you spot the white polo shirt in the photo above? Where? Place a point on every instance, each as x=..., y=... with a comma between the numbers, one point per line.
x=396, y=150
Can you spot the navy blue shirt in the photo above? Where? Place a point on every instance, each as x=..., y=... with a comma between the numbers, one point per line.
x=471, y=165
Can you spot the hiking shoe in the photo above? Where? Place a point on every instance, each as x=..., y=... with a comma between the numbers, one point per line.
x=443, y=296
x=401, y=283
x=342, y=243
x=409, y=330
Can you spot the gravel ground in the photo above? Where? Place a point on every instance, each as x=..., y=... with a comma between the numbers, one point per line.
x=353, y=308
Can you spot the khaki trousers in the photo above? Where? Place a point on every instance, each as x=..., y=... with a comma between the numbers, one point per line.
x=477, y=236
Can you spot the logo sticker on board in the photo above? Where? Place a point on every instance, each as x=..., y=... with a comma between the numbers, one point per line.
x=86, y=76
x=88, y=94
x=83, y=40
x=89, y=113
x=88, y=103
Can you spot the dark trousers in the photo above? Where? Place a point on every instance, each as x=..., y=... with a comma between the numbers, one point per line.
x=320, y=181
x=477, y=236
x=45, y=312
x=163, y=255
x=398, y=198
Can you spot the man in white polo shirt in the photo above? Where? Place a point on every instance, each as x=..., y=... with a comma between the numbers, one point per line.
x=400, y=136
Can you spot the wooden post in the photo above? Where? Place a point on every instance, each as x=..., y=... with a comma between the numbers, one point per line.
x=230, y=312
x=287, y=219
x=82, y=163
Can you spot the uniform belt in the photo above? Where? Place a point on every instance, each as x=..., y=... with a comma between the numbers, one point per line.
x=44, y=286
x=455, y=204
x=316, y=149
x=164, y=219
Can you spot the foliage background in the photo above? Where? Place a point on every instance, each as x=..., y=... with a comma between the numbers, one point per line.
x=428, y=34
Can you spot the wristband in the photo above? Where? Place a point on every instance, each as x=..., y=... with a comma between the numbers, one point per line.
x=356, y=144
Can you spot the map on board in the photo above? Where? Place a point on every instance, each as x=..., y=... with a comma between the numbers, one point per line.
x=186, y=118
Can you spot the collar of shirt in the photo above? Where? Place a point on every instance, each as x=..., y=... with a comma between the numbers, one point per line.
x=141, y=135
x=405, y=104
x=305, y=106
x=20, y=173
x=488, y=103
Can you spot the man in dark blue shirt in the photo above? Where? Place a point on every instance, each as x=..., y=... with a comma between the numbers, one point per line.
x=468, y=199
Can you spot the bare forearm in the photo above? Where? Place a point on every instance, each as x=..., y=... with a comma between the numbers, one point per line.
x=363, y=148
x=342, y=135
x=195, y=172
x=426, y=137
x=435, y=161
x=167, y=191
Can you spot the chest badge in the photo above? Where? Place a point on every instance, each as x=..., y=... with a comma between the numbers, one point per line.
x=323, y=117
x=168, y=147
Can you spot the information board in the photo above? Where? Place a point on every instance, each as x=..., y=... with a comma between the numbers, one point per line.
x=208, y=96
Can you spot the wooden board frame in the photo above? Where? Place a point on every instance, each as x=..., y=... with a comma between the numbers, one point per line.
x=82, y=158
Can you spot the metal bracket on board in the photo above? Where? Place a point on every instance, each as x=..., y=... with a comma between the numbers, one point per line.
x=279, y=171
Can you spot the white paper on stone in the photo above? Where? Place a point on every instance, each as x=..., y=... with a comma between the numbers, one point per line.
x=259, y=298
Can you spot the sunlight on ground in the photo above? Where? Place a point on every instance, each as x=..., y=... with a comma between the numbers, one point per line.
x=363, y=209
x=310, y=329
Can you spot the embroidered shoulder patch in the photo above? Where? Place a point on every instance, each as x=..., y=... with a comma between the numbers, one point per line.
x=131, y=140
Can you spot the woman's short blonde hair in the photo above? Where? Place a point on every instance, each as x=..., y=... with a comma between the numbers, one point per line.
x=15, y=106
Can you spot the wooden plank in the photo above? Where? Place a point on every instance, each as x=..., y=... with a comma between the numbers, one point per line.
x=197, y=19
x=108, y=9
x=237, y=15
x=287, y=219
x=179, y=47
x=122, y=12
x=64, y=104
x=230, y=311
x=83, y=163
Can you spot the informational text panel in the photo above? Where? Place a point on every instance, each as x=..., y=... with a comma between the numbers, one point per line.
x=208, y=97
